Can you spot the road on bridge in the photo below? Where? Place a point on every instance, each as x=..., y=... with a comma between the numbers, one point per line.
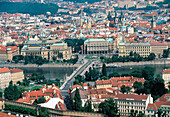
x=71, y=80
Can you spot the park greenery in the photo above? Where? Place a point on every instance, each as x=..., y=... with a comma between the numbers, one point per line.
x=28, y=7
x=125, y=89
x=133, y=57
x=39, y=100
x=43, y=112
x=109, y=108
x=136, y=113
x=20, y=109
x=75, y=44
x=40, y=61
x=83, y=1
x=11, y=92
x=76, y=103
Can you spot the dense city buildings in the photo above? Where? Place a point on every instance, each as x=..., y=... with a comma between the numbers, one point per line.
x=85, y=34
x=10, y=74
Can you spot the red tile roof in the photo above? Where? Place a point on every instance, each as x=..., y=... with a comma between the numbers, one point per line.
x=133, y=96
x=4, y=70
x=16, y=70
x=157, y=105
x=166, y=71
x=6, y=115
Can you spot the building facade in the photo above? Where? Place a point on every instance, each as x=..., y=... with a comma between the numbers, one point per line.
x=127, y=102
x=98, y=46
x=166, y=75
x=17, y=75
x=143, y=49
x=48, y=51
x=5, y=77
x=7, y=53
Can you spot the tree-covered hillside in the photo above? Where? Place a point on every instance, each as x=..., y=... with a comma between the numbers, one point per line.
x=31, y=8
x=83, y=1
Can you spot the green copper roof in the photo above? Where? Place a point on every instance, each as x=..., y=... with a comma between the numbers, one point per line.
x=59, y=44
x=87, y=41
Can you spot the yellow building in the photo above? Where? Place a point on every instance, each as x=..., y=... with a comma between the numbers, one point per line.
x=48, y=51
x=143, y=49
x=17, y=75
x=5, y=77
x=7, y=53
x=158, y=47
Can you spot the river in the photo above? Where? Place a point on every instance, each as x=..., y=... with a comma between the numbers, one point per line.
x=60, y=72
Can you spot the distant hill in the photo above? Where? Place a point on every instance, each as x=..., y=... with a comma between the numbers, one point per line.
x=83, y=1
x=31, y=8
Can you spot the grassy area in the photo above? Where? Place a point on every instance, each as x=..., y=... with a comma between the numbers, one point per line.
x=93, y=57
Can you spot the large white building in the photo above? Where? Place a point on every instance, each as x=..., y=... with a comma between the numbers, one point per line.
x=6, y=75
x=127, y=102
x=166, y=75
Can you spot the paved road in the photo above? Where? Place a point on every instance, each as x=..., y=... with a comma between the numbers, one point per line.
x=70, y=82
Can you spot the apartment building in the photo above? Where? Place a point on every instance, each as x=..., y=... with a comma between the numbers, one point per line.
x=166, y=75
x=127, y=102
x=143, y=49
x=6, y=75
x=162, y=103
x=16, y=75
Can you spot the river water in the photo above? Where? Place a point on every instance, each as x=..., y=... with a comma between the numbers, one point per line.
x=60, y=72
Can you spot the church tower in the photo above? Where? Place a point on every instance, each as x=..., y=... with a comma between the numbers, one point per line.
x=153, y=23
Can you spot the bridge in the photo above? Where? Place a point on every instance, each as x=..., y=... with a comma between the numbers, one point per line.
x=70, y=79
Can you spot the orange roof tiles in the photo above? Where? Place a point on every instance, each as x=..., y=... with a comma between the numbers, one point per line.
x=133, y=96
x=4, y=70
x=166, y=71
x=157, y=105
x=16, y=70
x=6, y=115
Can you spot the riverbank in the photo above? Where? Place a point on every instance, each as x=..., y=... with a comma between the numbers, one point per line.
x=41, y=66
x=121, y=64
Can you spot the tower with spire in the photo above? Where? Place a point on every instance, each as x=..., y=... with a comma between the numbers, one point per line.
x=153, y=22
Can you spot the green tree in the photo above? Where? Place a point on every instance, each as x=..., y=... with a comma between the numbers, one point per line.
x=104, y=70
x=54, y=58
x=39, y=101
x=138, y=85
x=148, y=73
x=109, y=108
x=131, y=53
x=43, y=112
x=25, y=82
x=123, y=89
x=133, y=113
x=79, y=80
x=88, y=107
x=12, y=92
x=76, y=101
x=114, y=74
x=151, y=56
x=60, y=55
x=165, y=53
